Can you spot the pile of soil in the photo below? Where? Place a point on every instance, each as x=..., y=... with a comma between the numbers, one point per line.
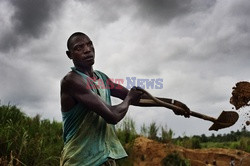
x=146, y=152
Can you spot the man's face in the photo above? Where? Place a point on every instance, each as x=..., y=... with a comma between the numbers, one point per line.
x=82, y=51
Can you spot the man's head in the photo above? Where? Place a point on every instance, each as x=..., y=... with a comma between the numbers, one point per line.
x=80, y=50
x=76, y=34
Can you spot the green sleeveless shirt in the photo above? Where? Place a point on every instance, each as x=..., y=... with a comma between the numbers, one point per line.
x=88, y=139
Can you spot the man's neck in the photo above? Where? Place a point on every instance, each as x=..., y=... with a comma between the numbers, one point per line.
x=87, y=71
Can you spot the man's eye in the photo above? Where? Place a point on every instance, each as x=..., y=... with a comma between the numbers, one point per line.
x=90, y=44
x=78, y=48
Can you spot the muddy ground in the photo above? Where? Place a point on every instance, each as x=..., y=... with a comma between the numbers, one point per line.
x=147, y=152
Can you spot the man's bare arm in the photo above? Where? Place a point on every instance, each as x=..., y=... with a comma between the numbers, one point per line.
x=74, y=88
x=122, y=91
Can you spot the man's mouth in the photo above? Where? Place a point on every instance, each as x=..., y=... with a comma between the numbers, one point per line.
x=90, y=57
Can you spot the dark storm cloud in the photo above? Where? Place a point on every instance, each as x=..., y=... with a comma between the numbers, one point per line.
x=108, y=11
x=30, y=20
x=200, y=49
x=163, y=11
x=240, y=8
x=19, y=84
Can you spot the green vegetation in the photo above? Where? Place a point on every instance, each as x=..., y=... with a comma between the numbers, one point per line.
x=126, y=131
x=26, y=141
x=174, y=159
x=235, y=140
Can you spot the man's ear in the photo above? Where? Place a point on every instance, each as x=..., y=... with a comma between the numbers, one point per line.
x=69, y=54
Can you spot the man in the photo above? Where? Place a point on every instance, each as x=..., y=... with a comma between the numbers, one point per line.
x=88, y=117
x=232, y=162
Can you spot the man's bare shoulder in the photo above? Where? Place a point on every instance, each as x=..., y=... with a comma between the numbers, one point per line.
x=72, y=80
x=69, y=77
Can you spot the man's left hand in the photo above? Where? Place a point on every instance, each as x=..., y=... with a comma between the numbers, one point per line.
x=186, y=114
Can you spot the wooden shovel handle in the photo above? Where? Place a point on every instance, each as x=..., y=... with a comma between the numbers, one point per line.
x=154, y=100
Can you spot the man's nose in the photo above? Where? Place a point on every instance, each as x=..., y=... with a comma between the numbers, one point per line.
x=86, y=49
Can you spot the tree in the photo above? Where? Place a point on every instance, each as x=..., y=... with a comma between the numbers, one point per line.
x=166, y=135
x=153, y=130
x=144, y=130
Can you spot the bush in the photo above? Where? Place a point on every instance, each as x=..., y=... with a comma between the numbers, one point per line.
x=196, y=144
x=29, y=141
x=245, y=144
x=174, y=159
x=126, y=131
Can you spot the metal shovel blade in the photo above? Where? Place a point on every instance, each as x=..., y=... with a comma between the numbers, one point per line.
x=226, y=119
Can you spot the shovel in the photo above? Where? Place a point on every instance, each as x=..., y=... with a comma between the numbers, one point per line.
x=226, y=118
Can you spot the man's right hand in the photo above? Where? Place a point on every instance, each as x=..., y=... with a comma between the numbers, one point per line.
x=134, y=95
x=186, y=114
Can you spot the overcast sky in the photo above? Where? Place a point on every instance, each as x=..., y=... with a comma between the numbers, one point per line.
x=199, y=48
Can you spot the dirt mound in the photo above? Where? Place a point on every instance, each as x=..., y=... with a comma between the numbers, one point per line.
x=146, y=152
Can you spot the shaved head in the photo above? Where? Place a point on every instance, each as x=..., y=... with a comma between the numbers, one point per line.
x=76, y=34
